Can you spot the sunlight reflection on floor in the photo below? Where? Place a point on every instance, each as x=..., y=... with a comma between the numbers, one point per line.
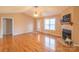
x=50, y=42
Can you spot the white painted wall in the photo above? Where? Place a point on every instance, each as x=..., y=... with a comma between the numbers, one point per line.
x=29, y=27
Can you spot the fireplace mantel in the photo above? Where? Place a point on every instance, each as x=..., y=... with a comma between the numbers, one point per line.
x=67, y=27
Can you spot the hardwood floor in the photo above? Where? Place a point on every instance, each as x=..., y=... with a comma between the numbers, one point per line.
x=33, y=42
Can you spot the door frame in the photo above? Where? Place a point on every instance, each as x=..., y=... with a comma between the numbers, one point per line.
x=2, y=18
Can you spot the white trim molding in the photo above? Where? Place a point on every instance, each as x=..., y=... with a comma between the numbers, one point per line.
x=1, y=35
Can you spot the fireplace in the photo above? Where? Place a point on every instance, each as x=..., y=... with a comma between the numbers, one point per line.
x=66, y=36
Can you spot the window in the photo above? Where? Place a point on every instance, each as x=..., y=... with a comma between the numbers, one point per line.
x=49, y=24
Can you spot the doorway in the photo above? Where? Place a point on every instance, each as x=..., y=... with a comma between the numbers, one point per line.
x=7, y=26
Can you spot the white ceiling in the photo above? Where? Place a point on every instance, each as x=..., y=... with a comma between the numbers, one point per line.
x=41, y=10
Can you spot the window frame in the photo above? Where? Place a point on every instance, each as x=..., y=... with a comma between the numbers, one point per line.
x=50, y=24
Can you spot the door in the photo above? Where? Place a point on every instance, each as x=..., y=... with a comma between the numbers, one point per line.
x=7, y=26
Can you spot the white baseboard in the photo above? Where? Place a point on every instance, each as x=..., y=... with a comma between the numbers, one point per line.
x=51, y=34
x=21, y=33
x=17, y=34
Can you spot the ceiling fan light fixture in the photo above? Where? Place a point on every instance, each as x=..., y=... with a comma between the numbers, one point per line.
x=35, y=11
x=35, y=15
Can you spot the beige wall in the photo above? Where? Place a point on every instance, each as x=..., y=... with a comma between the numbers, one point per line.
x=76, y=24
x=22, y=23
